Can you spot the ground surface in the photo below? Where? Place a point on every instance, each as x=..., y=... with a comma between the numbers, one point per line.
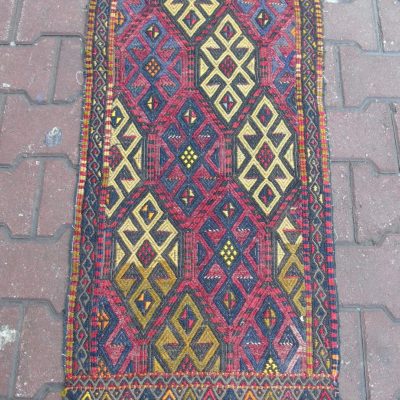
x=40, y=89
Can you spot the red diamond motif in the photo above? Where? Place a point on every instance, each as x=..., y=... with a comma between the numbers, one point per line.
x=227, y=66
x=265, y=156
x=146, y=254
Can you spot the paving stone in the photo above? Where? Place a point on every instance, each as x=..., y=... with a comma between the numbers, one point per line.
x=44, y=264
x=41, y=349
x=56, y=207
x=332, y=95
x=9, y=318
x=28, y=68
x=364, y=135
x=17, y=199
x=56, y=17
x=351, y=378
x=370, y=275
x=25, y=127
x=350, y=21
x=396, y=110
x=343, y=219
x=70, y=70
x=6, y=7
x=389, y=14
x=365, y=75
x=376, y=203
x=383, y=355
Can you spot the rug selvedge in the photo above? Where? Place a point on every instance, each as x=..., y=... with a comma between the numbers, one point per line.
x=203, y=252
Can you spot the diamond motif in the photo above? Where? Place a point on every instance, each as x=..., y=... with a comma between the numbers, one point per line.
x=228, y=253
x=152, y=103
x=190, y=116
x=148, y=212
x=146, y=253
x=263, y=19
x=153, y=31
x=191, y=15
x=228, y=103
x=265, y=162
x=189, y=157
x=269, y=318
x=153, y=67
x=265, y=156
x=144, y=302
x=227, y=66
x=188, y=198
x=145, y=274
x=226, y=69
x=116, y=117
x=186, y=341
x=229, y=301
x=191, y=19
x=264, y=115
x=228, y=31
x=187, y=319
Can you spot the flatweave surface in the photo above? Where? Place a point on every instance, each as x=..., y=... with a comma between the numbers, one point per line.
x=203, y=251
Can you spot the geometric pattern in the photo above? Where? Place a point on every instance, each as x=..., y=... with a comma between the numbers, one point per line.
x=203, y=244
x=265, y=156
x=191, y=15
x=290, y=266
x=189, y=158
x=151, y=68
x=227, y=68
x=126, y=161
x=228, y=275
x=187, y=342
x=272, y=345
x=147, y=259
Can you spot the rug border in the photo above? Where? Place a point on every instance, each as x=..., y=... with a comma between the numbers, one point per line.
x=79, y=196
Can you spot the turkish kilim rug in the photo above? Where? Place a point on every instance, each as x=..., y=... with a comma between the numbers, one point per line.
x=203, y=250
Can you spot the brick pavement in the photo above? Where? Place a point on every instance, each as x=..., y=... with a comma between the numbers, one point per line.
x=40, y=89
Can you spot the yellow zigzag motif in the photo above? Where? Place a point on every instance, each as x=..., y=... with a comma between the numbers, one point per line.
x=148, y=268
x=289, y=266
x=227, y=68
x=124, y=176
x=264, y=155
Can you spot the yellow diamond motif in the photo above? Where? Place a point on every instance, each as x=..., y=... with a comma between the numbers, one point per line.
x=227, y=76
x=228, y=253
x=273, y=151
x=189, y=157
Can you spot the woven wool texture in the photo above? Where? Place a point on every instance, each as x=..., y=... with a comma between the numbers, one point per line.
x=203, y=253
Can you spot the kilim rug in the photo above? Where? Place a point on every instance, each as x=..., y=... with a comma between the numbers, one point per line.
x=203, y=251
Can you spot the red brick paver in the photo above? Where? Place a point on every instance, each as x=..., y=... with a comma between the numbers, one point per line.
x=40, y=103
x=17, y=200
x=40, y=362
x=10, y=316
x=50, y=17
x=368, y=75
x=70, y=70
x=29, y=69
x=7, y=8
x=382, y=338
x=57, y=196
x=26, y=125
x=45, y=262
